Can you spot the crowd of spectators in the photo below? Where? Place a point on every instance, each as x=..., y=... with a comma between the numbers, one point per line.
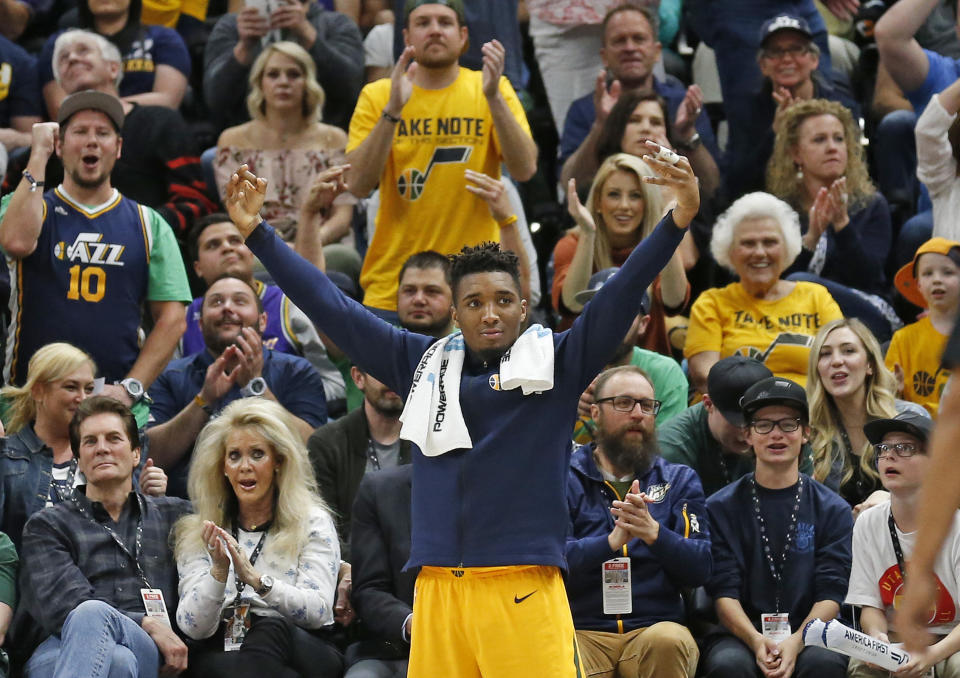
x=774, y=394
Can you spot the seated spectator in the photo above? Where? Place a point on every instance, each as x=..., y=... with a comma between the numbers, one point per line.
x=762, y=315
x=383, y=588
x=899, y=454
x=234, y=365
x=628, y=505
x=9, y=562
x=665, y=373
x=818, y=168
x=159, y=165
x=20, y=103
x=332, y=39
x=217, y=248
x=781, y=550
x=930, y=281
x=37, y=465
x=259, y=552
x=286, y=141
x=365, y=440
x=848, y=386
x=630, y=50
x=622, y=209
x=788, y=59
x=156, y=63
x=86, y=260
x=87, y=561
x=424, y=296
x=938, y=137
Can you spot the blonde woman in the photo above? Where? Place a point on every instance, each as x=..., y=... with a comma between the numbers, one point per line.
x=260, y=552
x=817, y=167
x=624, y=210
x=286, y=141
x=37, y=466
x=847, y=387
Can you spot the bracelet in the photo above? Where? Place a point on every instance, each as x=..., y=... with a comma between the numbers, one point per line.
x=202, y=404
x=692, y=143
x=392, y=118
x=509, y=221
x=34, y=184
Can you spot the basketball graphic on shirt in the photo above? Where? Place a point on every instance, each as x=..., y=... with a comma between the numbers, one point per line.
x=410, y=184
x=943, y=610
x=923, y=382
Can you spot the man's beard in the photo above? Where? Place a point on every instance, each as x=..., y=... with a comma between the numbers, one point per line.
x=438, y=328
x=629, y=456
x=82, y=182
x=391, y=408
x=216, y=345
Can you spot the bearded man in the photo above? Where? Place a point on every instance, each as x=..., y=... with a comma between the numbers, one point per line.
x=638, y=533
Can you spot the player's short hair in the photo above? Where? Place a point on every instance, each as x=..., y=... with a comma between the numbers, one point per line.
x=487, y=257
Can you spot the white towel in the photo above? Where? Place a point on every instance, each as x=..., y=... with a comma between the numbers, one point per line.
x=432, y=418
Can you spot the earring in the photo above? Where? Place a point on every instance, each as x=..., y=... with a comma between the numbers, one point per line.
x=799, y=172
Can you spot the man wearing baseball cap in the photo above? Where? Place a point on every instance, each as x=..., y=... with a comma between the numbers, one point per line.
x=86, y=259
x=709, y=437
x=789, y=60
x=417, y=132
x=930, y=281
x=781, y=549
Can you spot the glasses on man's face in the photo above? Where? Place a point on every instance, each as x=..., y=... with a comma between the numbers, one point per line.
x=766, y=425
x=902, y=450
x=795, y=51
x=625, y=403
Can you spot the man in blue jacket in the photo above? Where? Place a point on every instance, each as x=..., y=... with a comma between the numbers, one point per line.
x=630, y=550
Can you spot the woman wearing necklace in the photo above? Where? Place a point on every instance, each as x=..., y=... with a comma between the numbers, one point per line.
x=258, y=560
x=848, y=386
x=286, y=141
x=37, y=466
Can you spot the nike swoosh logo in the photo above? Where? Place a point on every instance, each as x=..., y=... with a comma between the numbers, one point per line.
x=520, y=600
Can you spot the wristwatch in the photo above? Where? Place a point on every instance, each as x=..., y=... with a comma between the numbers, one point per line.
x=134, y=388
x=266, y=584
x=690, y=144
x=255, y=387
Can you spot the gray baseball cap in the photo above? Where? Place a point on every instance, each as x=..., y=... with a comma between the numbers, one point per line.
x=92, y=100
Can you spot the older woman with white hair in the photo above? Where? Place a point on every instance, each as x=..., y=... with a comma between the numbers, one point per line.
x=761, y=315
x=286, y=141
x=259, y=558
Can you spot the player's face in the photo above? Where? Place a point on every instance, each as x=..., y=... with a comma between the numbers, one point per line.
x=105, y=454
x=228, y=307
x=56, y=401
x=436, y=35
x=424, y=300
x=630, y=48
x=788, y=60
x=220, y=249
x=490, y=312
x=89, y=148
x=81, y=66
x=732, y=438
x=938, y=280
x=250, y=465
x=628, y=439
x=902, y=473
x=757, y=251
x=821, y=148
x=776, y=448
x=646, y=122
x=622, y=208
x=843, y=365
x=283, y=83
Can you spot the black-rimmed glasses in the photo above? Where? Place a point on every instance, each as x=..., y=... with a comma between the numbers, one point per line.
x=625, y=403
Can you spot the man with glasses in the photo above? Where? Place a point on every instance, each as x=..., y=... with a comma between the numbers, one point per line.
x=638, y=534
x=883, y=540
x=788, y=60
x=781, y=550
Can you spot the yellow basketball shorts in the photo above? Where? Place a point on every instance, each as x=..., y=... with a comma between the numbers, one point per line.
x=492, y=622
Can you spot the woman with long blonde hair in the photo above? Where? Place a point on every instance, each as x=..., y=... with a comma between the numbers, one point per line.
x=624, y=211
x=260, y=550
x=848, y=386
x=818, y=168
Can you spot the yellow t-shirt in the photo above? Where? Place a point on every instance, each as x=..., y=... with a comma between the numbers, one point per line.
x=167, y=12
x=777, y=333
x=424, y=203
x=917, y=349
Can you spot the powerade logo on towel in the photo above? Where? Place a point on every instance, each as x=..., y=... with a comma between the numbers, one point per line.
x=442, y=400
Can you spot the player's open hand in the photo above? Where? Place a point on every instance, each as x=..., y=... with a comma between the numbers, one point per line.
x=679, y=178
x=245, y=194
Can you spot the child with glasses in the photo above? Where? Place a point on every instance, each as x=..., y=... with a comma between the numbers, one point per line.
x=781, y=549
x=883, y=541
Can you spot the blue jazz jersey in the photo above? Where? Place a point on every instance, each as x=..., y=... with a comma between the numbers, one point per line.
x=84, y=284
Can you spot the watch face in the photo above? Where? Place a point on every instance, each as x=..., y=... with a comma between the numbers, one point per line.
x=134, y=387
